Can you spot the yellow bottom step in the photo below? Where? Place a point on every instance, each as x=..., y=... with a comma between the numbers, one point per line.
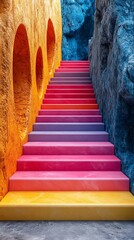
x=67, y=206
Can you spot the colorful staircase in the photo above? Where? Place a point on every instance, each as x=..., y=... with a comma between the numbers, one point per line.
x=68, y=170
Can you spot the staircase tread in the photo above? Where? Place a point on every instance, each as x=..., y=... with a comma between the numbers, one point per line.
x=67, y=175
x=25, y=198
x=69, y=132
x=69, y=144
x=76, y=158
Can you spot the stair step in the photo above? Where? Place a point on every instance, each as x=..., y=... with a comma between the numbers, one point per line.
x=71, y=91
x=69, y=82
x=69, y=112
x=72, y=70
x=71, y=86
x=71, y=78
x=65, y=205
x=69, y=95
x=64, y=136
x=69, y=101
x=72, y=74
x=68, y=127
x=69, y=106
x=69, y=119
x=68, y=181
x=68, y=163
x=67, y=148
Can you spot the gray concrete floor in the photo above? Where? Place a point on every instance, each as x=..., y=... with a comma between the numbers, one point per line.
x=67, y=230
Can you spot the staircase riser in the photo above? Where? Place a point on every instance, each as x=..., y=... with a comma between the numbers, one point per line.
x=69, y=119
x=69, y=101
x=68, y=185
x=69, y=106
x=72, y=74
x=65, y=127
x=71, y=86
x=68, y=166
x=71, y=91
x=68, y=150
x=69, y=112
x=35, y=137
x=69, y=82
x=54, y=95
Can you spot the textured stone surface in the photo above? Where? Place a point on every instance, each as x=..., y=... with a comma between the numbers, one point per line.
x=78, y=23
x=66, y=230
x=20, y=93
x=112, y=71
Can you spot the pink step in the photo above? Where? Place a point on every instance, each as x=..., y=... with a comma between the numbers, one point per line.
x=68, y=163
x=69, y=112
x=69, y=101
x=68, y=118
x=68, y=86
x=71, y=91
x=73, y=70
x=68, y=181
x=69, y=95
x=68, y=148
x=71, y=78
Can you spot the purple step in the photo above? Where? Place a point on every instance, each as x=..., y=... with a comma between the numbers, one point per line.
x=75, y=118
x=69, y=112
x=68, y=127
x=66, y=136
x=71, y=74
x=71, y=78
x=68, y=82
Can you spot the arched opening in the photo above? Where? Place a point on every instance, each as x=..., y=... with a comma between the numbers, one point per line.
x=21, y=79
x=50, y=45
x=39, y=71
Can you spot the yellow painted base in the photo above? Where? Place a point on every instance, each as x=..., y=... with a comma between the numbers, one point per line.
x=67, y=206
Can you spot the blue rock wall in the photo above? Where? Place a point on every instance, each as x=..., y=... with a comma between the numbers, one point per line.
x=78, y=23
x=112, y=72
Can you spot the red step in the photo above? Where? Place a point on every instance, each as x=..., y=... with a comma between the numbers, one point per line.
x=68, y=163
x=68, y=181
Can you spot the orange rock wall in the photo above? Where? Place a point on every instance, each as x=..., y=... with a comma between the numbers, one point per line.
x=27, y=61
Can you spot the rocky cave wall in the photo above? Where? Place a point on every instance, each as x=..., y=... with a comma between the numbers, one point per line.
x=30, y=51
x=78, y=21
x=112, y=72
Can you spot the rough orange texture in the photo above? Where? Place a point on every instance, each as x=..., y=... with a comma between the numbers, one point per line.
x=30, y=50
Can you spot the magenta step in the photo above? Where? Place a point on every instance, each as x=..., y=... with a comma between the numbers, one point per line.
x=71, y=91
x=72, y=74
x=68, y=181
x=69, y=95
x=68, y=163
x=67, y=136
x=68, y=148
x=69, y=112
x=72, y=86
x=69, y=101
x=68, y=127
x=69, y=119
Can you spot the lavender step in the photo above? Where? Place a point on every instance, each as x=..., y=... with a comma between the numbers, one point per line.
x=69, y=82
x=71, y=78
x=57, y=136
x=68, y=127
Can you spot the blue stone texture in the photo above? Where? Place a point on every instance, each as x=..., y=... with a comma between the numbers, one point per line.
x=112, y=71
x=78, y=24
